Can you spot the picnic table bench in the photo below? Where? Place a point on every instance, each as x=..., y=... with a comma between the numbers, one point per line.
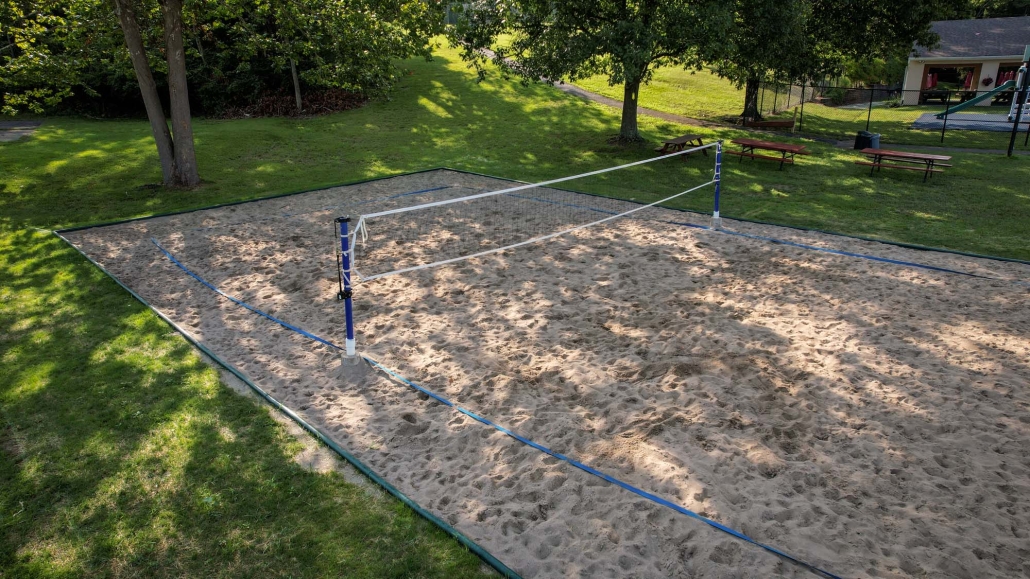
x=680, y=143
x=924, y=162
x=786, y=150
x=774, y=124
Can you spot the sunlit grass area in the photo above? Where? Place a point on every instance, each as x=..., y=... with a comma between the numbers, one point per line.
x=704, y=95
x=895, y=125
x=120, y=453
x=697, y=94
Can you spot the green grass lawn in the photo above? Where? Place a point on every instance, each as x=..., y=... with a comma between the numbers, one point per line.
x=120, y=453
x=704, y=95
x=895, y=126
x=695, y=94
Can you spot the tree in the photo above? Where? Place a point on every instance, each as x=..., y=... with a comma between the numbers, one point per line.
x=801, y=39
x=174, y=148
x=998, y=8
x=568, y=40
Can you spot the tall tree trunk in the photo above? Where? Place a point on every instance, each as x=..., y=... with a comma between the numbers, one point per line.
x=751, y=111
x=147, y=86
x=296, y=85
x=630, y=95
x=182, y=126
x=185, y=157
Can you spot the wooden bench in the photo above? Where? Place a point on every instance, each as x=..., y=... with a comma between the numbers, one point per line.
x=906, y=167
x=679, y=143
x=786, y=150
x=885, y=158
x=772, y=124
x=788, y=160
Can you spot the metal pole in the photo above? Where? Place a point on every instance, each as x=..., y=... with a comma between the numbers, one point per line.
x=716, y=220
x=1019, y=115
x=869, y=114
x=801, y=121
x=345, y=292
x=947, y=105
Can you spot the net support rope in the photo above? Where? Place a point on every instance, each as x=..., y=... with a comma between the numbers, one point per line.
x=362, y=228
x=571, y=461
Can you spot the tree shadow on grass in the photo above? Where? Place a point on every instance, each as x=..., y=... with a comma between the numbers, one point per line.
x=122, y=454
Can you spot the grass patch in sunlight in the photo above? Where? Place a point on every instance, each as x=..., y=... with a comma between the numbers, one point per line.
x=697, y=94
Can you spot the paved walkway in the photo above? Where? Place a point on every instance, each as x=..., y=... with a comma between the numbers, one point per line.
x=14, y=130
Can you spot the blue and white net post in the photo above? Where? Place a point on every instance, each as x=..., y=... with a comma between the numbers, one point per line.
x=345, y=283
x=716, y=220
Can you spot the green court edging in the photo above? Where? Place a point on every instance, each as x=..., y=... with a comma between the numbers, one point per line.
x=245, y=201
x=457, y=535
x=362, y=181
x=318, y=434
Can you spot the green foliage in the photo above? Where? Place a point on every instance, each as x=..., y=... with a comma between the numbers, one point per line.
x=622, y=40
x=569, y=40
x=870, y=71
x=997, y=8
x=73, y=51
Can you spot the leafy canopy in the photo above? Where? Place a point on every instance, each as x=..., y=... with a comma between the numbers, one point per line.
x=236, y=50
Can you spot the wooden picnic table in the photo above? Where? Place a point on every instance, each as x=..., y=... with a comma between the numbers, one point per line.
x=680, y=143
x=929, y=163
x=786, y=150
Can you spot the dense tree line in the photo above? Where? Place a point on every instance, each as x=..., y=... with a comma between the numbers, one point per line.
x=71, y=53
x=213, y=56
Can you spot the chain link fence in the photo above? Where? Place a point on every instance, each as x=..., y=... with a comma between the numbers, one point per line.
x=955, y=118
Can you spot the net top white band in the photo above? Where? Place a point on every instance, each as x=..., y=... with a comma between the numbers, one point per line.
x=530, y=185
x=533, y=240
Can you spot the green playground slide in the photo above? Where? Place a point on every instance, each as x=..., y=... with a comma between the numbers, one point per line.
x=978, y=98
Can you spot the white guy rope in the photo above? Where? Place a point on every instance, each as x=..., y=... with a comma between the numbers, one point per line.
x=535, y=239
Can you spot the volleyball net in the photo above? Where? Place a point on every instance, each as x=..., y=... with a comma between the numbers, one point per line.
x=442, y=232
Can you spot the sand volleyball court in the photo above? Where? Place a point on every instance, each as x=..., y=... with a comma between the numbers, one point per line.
x=870, y=418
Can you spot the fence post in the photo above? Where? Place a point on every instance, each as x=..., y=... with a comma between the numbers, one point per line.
x=1020, y=94
x=801, y=122
x=869, y=113
x=947, y=105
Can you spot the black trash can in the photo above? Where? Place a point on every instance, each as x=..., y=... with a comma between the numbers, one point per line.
x=867, y=140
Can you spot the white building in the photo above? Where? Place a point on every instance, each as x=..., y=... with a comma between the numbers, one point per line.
x=972, y=56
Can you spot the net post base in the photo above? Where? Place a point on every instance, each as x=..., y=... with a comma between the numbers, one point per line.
x=716, y=222
x=352, y=370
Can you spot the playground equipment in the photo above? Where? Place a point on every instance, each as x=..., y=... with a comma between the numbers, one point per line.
x=1020, y=102
x=980, y=98
x=1021, y=84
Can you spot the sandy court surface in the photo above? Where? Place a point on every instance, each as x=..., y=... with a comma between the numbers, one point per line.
x=870, y=418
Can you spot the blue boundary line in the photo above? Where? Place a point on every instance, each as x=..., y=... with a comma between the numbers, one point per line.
x=585, y=468
x=785, y=242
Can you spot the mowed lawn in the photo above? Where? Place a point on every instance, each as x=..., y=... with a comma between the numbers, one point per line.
x=704, y=95
x=120, y=452
x=697, y=94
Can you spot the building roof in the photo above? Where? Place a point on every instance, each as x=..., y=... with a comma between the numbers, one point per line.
x=981, y=38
